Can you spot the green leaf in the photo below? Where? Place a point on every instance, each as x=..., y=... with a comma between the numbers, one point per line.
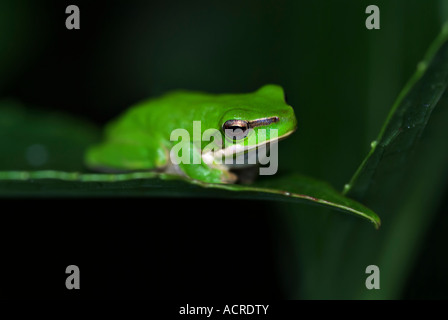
x=294, y=188
x=64, y=139
x=406, y=121
x=403, y=177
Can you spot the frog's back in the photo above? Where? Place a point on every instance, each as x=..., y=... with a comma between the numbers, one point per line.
x=138, y=139
x=176, y=109
x=174, y=102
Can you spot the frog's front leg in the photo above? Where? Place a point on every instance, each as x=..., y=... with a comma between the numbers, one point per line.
x=192, y=165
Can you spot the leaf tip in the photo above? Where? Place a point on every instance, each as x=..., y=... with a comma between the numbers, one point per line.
x=377, y=223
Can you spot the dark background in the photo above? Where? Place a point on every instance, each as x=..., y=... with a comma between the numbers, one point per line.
x=341, y=78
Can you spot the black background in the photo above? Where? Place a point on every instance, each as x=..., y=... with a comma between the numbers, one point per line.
x=141, y=248
x=137, y=248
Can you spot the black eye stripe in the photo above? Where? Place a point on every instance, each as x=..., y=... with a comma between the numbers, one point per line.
x=244, y=125
x=262, y=122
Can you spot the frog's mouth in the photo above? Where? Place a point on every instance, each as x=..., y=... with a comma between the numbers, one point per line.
x=237, y=151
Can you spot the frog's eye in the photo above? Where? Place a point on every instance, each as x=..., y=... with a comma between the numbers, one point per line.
x=236, y=129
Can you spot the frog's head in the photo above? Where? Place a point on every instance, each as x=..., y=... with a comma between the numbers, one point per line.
x=256, y=118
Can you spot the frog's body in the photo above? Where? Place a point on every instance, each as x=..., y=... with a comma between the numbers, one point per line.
x=140, y=138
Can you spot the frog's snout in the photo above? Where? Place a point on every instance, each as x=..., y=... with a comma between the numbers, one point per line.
x=287, y=120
